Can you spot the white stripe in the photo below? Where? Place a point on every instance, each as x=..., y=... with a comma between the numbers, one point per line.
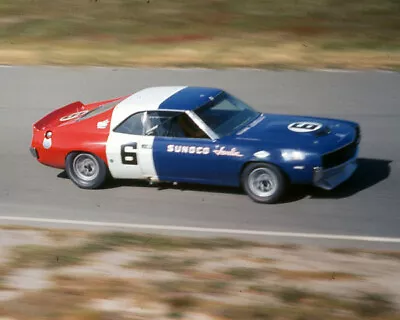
x=146, y=99
x=209, y=230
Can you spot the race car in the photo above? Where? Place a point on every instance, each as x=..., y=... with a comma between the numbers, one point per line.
x=198, y=135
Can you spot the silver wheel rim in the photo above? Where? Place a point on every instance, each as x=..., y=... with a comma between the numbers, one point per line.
x=262, y=182
x=85, y=167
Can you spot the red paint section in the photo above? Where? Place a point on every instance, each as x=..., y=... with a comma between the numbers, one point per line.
x=70, y=134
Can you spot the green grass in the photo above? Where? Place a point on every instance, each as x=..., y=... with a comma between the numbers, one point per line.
x=294, y=33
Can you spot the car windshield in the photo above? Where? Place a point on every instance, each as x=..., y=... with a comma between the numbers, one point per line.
x=226, y=114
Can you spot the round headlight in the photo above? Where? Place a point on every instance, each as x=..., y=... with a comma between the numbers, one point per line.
x=48, y=134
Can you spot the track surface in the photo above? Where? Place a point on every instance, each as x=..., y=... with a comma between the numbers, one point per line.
x=369, y=205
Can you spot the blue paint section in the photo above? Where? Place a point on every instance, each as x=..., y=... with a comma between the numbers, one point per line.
x=198, y=160
x=220, y=162
x=189, y=98
x=274, y=133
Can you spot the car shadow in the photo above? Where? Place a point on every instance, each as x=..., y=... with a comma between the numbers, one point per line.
x=368, y=173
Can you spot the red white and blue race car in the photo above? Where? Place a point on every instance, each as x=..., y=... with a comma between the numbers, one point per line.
x=195, y=135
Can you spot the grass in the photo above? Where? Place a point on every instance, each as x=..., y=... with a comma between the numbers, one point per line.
x=242, y=273
x=57, y=303
x=366, y=305
x=164, y=263
x=192, y=287
x=52, y=304
x=95, y=287
x=47, y=257
x=315, y=275
x=53, y=234
x=258, y=312
x=377, y=253
x=373, y=305
x=257, y=33
x=292, y=294
x=112, y=240
x=54, y=257
x=259, y=289
x=181, y=303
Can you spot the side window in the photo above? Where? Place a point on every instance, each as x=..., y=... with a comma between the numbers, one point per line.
x=132, y=125
x=173, y=124
x=157, y=123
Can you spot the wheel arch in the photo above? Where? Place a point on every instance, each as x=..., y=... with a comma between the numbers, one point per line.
x=96, y=153
x=252, y=161
x=82, y=150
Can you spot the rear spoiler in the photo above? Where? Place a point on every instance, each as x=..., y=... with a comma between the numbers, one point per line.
x=55, y=115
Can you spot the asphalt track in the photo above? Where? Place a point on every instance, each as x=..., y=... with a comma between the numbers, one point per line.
x=368, y=205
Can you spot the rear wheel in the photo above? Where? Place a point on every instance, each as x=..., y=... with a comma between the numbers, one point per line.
x=86, y=170
x=264, y=182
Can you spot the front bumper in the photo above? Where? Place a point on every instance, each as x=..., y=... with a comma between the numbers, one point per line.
x=331, y=178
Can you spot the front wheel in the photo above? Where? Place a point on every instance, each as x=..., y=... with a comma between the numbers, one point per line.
x=86, y=170
x=264, y=182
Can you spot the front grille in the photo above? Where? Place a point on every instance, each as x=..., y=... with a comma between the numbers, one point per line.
x=340, y=156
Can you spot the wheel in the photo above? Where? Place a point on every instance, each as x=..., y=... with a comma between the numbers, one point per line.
x=264, y=182
x=86, y=170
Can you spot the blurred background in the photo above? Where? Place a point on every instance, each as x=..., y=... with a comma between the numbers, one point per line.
x=209, y=33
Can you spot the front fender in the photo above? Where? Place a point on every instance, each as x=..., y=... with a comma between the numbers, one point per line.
x=297, y=171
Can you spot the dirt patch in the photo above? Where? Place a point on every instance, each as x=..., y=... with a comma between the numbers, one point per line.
x=29, y=279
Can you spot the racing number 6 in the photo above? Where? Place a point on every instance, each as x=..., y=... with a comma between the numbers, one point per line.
x=128, y=154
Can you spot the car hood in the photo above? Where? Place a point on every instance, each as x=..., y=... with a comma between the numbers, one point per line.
x=300, y=132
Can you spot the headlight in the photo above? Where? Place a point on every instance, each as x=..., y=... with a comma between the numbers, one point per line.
x=293, y=155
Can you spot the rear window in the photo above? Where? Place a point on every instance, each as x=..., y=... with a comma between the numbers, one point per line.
x=103, y=108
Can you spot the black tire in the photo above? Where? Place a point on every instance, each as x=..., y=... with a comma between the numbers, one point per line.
x=276, y=181
x=92, y=180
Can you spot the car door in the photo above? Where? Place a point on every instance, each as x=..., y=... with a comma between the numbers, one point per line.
x=129, y=150
x=183, y=152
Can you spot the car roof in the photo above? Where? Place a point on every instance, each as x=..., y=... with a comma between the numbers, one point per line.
x=182, y=98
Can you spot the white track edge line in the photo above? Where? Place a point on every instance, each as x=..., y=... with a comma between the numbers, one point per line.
x=209, y=230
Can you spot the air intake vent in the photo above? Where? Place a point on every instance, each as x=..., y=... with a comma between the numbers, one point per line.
x=340, y=156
